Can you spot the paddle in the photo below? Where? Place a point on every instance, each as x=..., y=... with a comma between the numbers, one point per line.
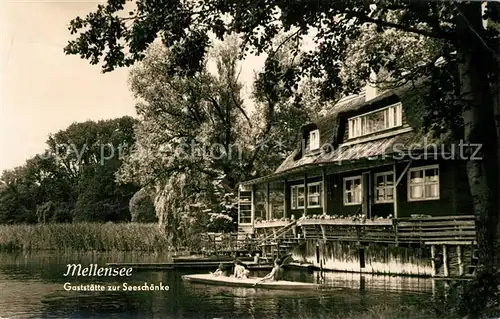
x=258, y=282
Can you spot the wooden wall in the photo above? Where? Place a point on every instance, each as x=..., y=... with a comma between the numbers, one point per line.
x=455, y=198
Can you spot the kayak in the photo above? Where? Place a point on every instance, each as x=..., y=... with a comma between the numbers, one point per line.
x=249, y=282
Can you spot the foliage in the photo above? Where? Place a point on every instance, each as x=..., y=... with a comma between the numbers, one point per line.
x=53, y=212
x=142, y=208
x=196, y=139
x=74, y=179
x=220, y=223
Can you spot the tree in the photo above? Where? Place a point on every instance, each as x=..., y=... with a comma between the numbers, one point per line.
x=74, y=179
x=196, y=140
x=142, y=208
x=469, y=83
x=187, y=145
x=16, y=201
x=89, y=154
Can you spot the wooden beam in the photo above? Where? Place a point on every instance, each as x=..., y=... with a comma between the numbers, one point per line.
x=253, y=200
x=323, y=191
x=395, y=192
x=459, y=257
x=323, y=232
x=268, y=212
x=305, y=195
x=366, y=200
x=285, y=210
x=445, y=261
x=458, y=243
x=433, y=262
x=404, y=172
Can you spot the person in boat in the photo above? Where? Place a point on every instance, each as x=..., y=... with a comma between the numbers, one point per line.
x=221, y=271
x=275, y=274
x=239, y=270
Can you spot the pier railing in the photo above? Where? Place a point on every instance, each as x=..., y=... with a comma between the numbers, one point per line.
x=348, y=230
x=226, y=243
x=436, y=229
x=427, y=230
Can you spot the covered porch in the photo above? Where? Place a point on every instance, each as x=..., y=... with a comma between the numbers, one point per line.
x=314, y=191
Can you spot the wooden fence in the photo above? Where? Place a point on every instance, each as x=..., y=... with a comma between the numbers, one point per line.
x=426, y=230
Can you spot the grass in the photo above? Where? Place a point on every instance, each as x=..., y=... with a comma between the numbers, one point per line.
x=83, y=237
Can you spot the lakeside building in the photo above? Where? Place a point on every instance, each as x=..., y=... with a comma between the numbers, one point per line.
x=368, y=190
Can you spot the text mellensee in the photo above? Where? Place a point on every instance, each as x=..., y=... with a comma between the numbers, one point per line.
x=93, y=270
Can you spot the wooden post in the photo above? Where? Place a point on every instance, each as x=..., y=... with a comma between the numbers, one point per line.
x=366, y=200
x=445, y=261
x=285, y=211
x=459, y=257
x=253, y=199
x=394, y=192
x=323, y=191
x=268, y=213
x=433, y=282
x=323, y=232
x=433, y=262
x=305, y=195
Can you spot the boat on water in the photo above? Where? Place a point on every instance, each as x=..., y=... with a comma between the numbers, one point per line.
x=210, y=279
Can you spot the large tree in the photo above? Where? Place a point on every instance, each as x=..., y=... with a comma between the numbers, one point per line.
x=468, y=83
x=196, y=139
x=74, y=179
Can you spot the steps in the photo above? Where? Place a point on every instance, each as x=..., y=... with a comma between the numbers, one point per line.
x=280, y=243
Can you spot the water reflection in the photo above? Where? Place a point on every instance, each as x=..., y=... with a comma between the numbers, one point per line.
x=31, y=286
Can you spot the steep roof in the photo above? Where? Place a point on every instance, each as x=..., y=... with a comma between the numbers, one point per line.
x=389, y=145
x=332, y=127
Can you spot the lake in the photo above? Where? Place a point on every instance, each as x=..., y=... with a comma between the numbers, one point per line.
x=32, y=286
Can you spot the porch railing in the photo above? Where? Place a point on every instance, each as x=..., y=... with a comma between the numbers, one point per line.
x=436, y=229
x=426, y=230
x=276, y=234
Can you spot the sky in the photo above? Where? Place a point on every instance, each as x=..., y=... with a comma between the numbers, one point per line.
x=42, y=90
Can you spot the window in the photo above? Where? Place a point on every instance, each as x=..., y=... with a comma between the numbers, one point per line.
x=314, y=194
x=376, y=121
x=298, y=197
x=314, y=140
x=423, y=183
x=353, y=192
x=245, y=207
x=384, y=187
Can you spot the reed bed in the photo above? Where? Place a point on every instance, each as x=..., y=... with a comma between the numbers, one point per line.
x=83, y=237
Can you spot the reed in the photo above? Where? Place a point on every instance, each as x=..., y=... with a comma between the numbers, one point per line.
x=83, y=237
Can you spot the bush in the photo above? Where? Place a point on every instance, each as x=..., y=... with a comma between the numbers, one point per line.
x=142, y=209
x=220, y=223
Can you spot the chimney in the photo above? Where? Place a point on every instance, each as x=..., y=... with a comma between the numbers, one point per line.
x=370, y=88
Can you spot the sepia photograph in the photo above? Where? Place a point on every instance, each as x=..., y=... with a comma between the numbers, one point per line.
x=250, y=159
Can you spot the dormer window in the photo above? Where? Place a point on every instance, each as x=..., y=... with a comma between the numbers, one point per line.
x=314, y=140
x=376, y=121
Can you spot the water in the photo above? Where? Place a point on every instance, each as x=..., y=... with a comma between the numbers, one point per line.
x=31, y=286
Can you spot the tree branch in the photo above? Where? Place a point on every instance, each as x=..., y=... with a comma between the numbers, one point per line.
x=436, y=35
